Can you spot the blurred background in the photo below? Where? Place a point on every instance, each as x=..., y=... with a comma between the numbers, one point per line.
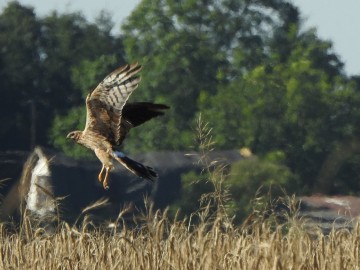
x=280, y=78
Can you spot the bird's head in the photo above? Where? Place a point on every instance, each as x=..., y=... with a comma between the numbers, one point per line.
x=74, y=135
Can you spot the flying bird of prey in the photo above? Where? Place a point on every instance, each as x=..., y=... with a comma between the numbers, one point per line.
x=109, y=119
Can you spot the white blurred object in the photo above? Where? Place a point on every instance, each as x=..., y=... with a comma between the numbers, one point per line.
x=39, y=200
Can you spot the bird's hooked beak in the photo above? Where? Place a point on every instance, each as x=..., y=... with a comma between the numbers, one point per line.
x=72, y=135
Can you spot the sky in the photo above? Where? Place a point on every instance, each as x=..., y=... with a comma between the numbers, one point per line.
x=337, y=21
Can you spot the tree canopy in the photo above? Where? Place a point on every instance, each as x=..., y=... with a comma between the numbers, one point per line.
x=37, y=61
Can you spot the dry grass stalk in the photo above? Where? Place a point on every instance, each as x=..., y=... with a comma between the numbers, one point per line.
x=215, y=172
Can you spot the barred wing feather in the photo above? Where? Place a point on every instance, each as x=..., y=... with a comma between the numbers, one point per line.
x=104, y=105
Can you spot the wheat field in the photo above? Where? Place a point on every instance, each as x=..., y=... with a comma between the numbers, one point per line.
x=160, y=243
x=156, y=241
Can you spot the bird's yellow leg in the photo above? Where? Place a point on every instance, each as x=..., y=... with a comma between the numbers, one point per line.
x=100, y=174
x=105, y=182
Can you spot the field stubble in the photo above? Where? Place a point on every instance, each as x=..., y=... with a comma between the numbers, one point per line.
x=163, y=244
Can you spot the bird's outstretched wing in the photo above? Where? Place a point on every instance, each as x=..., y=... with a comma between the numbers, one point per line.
x=135, y=114
x=104, y=105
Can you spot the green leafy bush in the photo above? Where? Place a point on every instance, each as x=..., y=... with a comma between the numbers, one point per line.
x=256, y=177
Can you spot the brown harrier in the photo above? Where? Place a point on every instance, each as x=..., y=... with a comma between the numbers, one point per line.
x=108, y=121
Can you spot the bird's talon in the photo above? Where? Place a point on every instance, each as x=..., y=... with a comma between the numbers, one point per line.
x=106, y=187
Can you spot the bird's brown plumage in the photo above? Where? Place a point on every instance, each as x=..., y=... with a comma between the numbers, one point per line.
x=109, y=119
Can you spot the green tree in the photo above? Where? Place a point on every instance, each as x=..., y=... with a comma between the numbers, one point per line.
x=37, y=58
x=258, y=178
x=20, y=64
x=189, y=48
x=297, y=101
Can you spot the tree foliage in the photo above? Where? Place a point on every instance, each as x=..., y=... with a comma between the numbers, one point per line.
x=249, y=67
x=258, y=178
x=37, y=59
x=293, y=106
x=189, y=48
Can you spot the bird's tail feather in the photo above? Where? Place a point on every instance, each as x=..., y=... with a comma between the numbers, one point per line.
x=135, y=167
